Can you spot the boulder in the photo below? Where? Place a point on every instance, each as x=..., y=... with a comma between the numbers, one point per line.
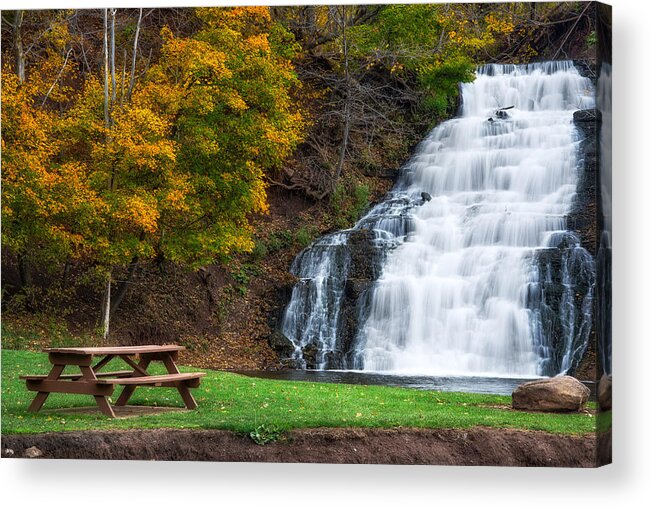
x=556, y=394
x=281, y=344
x=605, y=392
x=33, y=452
x=310, y=353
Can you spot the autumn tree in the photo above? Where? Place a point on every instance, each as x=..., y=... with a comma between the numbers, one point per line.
x=120, y=169
x=49, y=208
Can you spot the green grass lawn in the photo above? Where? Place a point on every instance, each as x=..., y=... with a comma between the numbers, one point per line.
x=235, y=402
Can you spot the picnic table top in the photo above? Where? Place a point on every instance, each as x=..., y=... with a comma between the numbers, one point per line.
x=140, y=349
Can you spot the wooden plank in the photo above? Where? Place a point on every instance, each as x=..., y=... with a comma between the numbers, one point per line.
x=152, y=379
x=136, y=367
x=103, y=362
x=193, y=382
x=40, y=398
x=73, y=376
x=128, y=391
x=70, y=387
x=161, y=356
x=140, y=349
x=100, y=398
x=104, y=406
x=182, y=387
x=65, y=359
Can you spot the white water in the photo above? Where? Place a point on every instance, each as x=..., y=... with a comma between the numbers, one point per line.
x=452, y=297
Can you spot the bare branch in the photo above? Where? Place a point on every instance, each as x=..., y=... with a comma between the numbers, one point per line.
x=57, y=78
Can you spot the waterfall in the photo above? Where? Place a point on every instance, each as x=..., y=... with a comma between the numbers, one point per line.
x=473, y=270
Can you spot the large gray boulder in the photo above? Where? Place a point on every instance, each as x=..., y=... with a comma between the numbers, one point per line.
x=556, y=394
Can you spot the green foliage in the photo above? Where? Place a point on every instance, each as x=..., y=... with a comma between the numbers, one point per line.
x=305, y=235
x=348, y=202
x=265, y=434
x=279, y=240
x=434, y=46
x=591, y=39
x=238, y=403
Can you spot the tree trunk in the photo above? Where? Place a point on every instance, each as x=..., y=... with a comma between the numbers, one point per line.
x=18, y=42
x=107, y=118
x=106, y=300
x=123, y=286
x=64, y=276
x=347, y=105
x=26, y=282
x=113, y=82
x=106, y=304
x=133, y=60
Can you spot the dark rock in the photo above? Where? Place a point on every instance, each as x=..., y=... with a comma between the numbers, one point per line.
x=587, y=69
x=281, y=344
x=425, y=196
x=587, y=116
x=387, y=173
x=605, y=392
x=364, y=268
x=355, y=288
x=501, y=115
x=279, y=297
x=32, y=452
x=549, y=297
x=584, y=217
x=290, y=364
x=310, y=354
x=556, y=394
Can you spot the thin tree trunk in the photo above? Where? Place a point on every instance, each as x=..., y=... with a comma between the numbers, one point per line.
x=65, y=62
x=64, y=276
x=347, y=112
x=26, y=281
x=107, y=119
x=124, y=77
x=113, y=83
x=132, y=81
x=18, y=42
x=106, y=301
x=123, y=286
x=107, y=308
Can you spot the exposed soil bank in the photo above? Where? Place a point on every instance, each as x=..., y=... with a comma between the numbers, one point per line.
x=477, y=446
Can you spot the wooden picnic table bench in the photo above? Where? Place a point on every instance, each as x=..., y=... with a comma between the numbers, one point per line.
x=100, y=384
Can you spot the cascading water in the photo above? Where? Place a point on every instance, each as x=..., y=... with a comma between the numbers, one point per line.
x=474, y=270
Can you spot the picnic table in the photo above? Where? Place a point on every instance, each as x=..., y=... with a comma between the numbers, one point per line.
x=91, y=380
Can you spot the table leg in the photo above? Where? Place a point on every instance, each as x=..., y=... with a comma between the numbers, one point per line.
x=129, y=390
x=184, y=391
x=101, y=401
x=40, y=398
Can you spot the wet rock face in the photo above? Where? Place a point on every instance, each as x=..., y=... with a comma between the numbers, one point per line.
x=365, y=266
x=562, y=303
x=557, y=394
x=583, y=217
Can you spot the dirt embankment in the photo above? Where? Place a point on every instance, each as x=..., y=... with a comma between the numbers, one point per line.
x=477, y=446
